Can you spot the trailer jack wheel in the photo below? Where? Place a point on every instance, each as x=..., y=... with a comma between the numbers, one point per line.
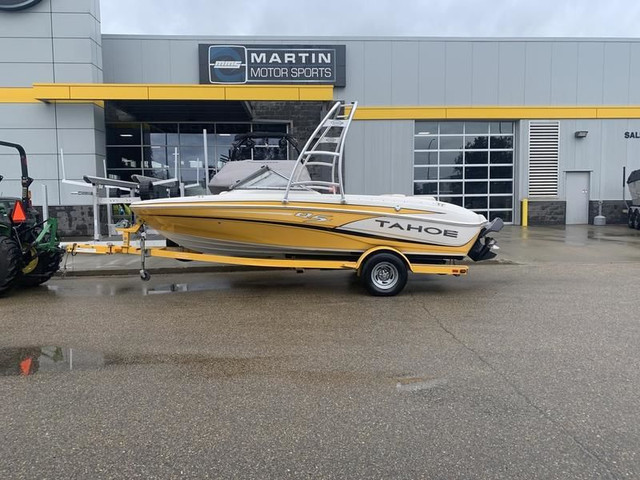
x=145, y=275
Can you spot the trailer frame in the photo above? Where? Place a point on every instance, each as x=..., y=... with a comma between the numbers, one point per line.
x=125, y=247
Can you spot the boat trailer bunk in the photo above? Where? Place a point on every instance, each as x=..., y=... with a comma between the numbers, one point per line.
x=383, y=270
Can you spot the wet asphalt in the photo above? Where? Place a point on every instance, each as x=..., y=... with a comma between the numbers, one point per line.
x=523, y=369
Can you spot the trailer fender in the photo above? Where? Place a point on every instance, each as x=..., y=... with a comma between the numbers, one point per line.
x=391, y=250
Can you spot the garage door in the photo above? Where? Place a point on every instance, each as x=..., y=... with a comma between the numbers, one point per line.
x=466, y=163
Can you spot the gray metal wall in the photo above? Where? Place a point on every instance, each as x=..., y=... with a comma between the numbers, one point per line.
x=408, y=72
x=423, y=71
x=379, y=157
x=55, y=41
x=604, y=152
x=59, y=40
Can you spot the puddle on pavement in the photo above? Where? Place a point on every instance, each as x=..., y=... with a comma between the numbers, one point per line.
x=123, y=286
x=184, y=287
x=26, y=361
x=30, y=360
x=416, y=384
x=112, y=287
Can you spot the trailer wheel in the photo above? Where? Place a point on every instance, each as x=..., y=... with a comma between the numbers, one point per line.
x=384, y=274
x=48, y=265
x=636, y=221
x=10, y=260
x=630, y=218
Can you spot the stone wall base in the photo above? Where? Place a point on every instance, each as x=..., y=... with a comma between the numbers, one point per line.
x=611, y=209
x=547, y=212
x=553, y=212
x=76, y=220
x=304, y=116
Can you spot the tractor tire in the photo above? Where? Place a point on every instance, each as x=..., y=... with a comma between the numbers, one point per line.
x=48, y=265
x=10, y=262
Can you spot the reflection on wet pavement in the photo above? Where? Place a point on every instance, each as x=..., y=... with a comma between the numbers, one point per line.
x=29, y=360
x=572, y=234
x=183, y=287
x=569, y=244
x=32, y=359
x=415, y=384
x=25, y=361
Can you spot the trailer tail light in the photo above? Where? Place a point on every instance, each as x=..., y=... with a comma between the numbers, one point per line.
x=18, y=215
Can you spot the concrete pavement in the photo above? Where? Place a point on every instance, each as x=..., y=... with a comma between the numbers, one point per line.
x=516, y=371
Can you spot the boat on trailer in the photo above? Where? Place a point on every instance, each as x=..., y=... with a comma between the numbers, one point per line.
x=309, y=218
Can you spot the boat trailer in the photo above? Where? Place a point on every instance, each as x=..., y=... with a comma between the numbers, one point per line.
x=383, y=264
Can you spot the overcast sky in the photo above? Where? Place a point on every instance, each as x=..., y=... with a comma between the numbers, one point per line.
x=460, y=18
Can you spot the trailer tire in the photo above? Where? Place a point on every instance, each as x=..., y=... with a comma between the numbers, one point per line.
x=48, y=265
x=636, y=220
x=10, y=261
x=630, y=218
x=384, y=274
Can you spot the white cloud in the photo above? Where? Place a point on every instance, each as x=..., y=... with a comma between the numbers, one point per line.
x=465, y=18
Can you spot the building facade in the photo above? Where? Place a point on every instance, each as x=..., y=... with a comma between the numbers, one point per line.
x=484, y=123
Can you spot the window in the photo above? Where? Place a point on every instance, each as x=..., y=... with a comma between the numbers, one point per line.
x=466, y=163
x=159, y=149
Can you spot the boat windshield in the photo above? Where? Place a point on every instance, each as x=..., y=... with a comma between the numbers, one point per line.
x=319, y=165
x=264, y=179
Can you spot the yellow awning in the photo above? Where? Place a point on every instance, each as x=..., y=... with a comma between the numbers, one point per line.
x=96, y=92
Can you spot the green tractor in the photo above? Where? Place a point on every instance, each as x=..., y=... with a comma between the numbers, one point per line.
x=30, y=252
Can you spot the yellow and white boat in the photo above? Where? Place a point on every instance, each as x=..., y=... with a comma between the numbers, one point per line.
x=256, y=223
x=308, y=216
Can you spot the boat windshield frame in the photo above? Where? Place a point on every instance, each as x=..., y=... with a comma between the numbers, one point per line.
x=253, y=180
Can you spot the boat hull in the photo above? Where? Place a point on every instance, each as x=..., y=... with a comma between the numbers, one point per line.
x=313, y=225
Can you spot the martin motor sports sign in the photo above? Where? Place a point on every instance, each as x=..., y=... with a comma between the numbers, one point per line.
x=320, y=64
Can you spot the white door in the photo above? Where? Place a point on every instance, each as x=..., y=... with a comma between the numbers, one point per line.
x=577, y=193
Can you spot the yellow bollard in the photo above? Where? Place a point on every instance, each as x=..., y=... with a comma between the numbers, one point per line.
x=525, y=212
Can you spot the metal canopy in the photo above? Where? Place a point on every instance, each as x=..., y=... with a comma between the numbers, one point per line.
x=177, y=111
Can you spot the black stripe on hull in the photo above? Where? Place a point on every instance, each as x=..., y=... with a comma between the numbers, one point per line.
x=312, y=227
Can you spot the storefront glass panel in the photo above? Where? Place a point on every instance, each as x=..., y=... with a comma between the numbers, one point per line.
x=166, y=150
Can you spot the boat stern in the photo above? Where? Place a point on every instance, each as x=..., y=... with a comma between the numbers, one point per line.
x=485, y=247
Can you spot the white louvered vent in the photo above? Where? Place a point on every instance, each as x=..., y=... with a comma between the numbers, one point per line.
x=544, y=143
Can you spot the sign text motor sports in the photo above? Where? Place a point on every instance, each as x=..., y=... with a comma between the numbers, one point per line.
x=321, y=64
